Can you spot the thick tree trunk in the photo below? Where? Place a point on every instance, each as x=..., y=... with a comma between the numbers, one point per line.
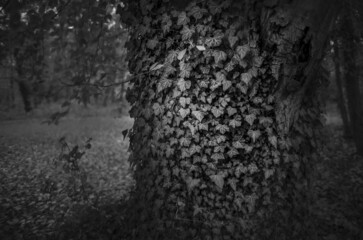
x=352, y=85
x=341, y=98
x=224, y=101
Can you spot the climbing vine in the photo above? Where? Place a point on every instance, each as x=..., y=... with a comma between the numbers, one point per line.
x=222, y=122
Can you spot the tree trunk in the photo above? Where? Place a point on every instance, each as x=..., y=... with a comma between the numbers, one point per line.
x=12, y=92
x=352, y=79
x=224, y=100
x=341, y=98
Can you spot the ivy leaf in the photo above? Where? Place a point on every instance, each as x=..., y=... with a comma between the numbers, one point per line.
x=197, y=12
x=221, y=138
x=151, y=43
x=214, y=7
x=156, y=66
x=257, y=100
x=219, y=56
x=181, y=54
x=266, y=121
x=238, y=202
x=220, y=77
x=169, y=151
x=215, y=84
x=185, y=153
x=198, y=115
x=231, y=111
x=269, y=173
x=195, y=149
x=273, y=141
x=183, y=19
x=250, y=118
x=212, y=143
x=185, y=141
x=184, y=112
x=232, y=152
x=218, y=180
x=183, y=85
x=240, y=169
x=185, y=69
x=217, y=156
x=169, y=42
x=157, y=133
x=242, y=87
x=242, y=51
x=184, y=101
x=197, y=210
x=257, y=61
x=226, y=84
x=254, y=134
x=166, y=23
x=169, y=69
x=237, y=145
x=192, y=183
x=205, y=70
x=229, y=66
x=210, y=98
x=214, y=41
x=232, y=40
x=203, y=84
x=252, y=168
x=203, y=126
x=187, y=33
x=235, y=123
x=251, y=200
x=200, y=47
x=223, y=101
x=173, y=54
x=163, y=84
x=222, y=128
x=232, y=182
x=246, y=77
x=247, y=148
x=158, y=109
x=217, y=112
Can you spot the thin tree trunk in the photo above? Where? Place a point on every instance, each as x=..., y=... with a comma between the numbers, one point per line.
x=341, y=100
x=25, y=92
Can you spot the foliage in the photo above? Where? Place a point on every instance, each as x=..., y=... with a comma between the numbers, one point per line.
x=63, y=49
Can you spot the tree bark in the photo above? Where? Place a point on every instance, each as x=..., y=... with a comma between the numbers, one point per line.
x=224, y=101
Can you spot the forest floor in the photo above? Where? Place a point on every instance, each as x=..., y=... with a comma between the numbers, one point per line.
x=44, y=196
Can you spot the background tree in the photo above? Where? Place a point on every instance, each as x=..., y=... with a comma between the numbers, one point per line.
x=63, y=50
x=225, y=103
x=347, y=44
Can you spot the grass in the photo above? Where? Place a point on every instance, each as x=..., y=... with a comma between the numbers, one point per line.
x=39, y=199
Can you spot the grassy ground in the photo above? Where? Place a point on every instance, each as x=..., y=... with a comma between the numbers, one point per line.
x=41, y=198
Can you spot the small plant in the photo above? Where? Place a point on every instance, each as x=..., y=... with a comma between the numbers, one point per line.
x=77, y=187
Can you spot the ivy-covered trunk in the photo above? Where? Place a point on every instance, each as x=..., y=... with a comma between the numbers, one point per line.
x=224, y=100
